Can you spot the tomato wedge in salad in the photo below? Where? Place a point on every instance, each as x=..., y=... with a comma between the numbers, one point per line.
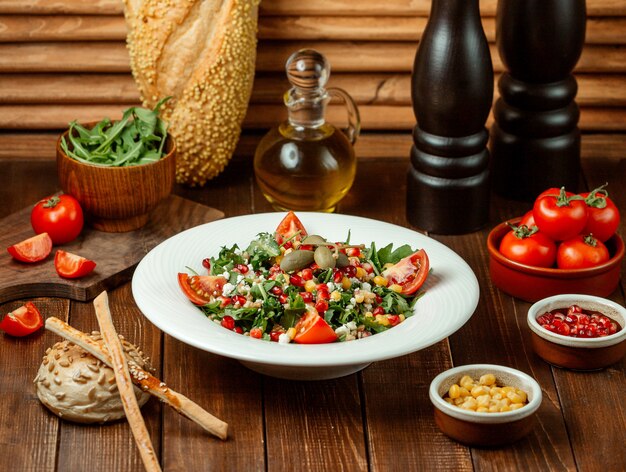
x=410, y=273
x=290, y=227
x=313, y=329
x=72, y=266
x=23, y=321
x=199, y=288
x=32, y=249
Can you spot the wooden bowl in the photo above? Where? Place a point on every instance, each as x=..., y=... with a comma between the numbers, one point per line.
x=534, y=283
x=117, y=199
x=484, y=429
x=578, y=353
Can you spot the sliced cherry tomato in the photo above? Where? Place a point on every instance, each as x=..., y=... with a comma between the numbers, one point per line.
x=313, y=329
x=410, y=273
x=32, y=249
x=72, y=266
x=560, y=217
x=60, y=216
x=602, y=215
x=581, y=251
x=200, y=288
x=23, y=321
x=528, y=246
x=290, y=227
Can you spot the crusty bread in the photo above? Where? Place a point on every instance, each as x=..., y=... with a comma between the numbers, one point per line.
x=201, y=53
x=78, y=387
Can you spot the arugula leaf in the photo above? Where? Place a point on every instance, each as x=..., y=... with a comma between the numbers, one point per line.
x=226, y=260
x=262, y=249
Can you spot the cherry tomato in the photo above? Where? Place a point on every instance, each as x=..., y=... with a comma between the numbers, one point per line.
x=60, y=216
x=23, y=321
x=560, y=217
x=410, y=273
x=72, y=266
x=603, y=216
x=290, y=227
x=313, y=329
x=528, y=246
x=199, y=288
x=32, y=249
x=581, y=251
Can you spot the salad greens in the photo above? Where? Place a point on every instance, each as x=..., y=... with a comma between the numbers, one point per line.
x=138, y=138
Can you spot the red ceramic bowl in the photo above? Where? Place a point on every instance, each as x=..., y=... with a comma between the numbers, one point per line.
x=534, y=283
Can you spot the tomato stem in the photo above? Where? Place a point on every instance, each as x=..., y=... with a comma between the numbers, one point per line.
x=52, y=202
x=523, y=231
x=597, y=201
x=590, y=240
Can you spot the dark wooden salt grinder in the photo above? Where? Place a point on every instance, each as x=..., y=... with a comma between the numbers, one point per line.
x=535, y=137
x=452, y=90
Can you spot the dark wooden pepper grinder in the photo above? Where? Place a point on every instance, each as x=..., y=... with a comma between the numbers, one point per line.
x=452, y=90
x=535, y=137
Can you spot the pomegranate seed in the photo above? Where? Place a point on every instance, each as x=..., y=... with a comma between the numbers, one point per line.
x=350, y=271
x=238, y=329
x=379, y=310
x=242, y=268
x=368, y=267
x=276, y=290
x=575, y=309
x=239, y=299
x=393, y=319
x=275, y=269
x=307, y=297
x=563, y=329
x=307, y=274
x=206, y=263
x=337, y=276
x=256, y=333
x=378, y=299
x=306, y=247
x=283, y=298
x=225, y=301
x=323, y=295
x=228, y=322
x=274, y=336
x=321, y=306
x=353, y=252
x=296, y=280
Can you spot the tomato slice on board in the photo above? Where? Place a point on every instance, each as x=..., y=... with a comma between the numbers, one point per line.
x=313, y=329
x=200, y=288
x=410, y=273
x=72, y=266
x=23, y=321
x=289, y=227
x=32, y=249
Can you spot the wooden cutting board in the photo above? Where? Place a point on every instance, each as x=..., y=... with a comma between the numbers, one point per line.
x=116, y=254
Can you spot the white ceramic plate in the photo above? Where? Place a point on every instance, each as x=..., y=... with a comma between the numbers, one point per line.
x=450, y=300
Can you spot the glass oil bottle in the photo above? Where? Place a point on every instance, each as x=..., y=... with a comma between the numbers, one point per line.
x=306, y=163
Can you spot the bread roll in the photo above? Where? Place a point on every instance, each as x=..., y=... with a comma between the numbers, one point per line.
x=78, y=387
x=202, y=54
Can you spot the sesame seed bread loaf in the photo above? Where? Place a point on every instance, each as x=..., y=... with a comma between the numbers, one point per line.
x=202, y=54
x=78, y=387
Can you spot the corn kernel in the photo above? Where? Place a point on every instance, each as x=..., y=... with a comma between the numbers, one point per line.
x=345, y=283
x=487, y=379
x=361, y=273
x=469, y=404
x=505, y=408
x=396, y=288
x=483, y=400
x=335, y=296
x=459, y=401
x=449, y=400
x=514, y=397
x=402, y=318
x=309, y=286
x=506, y=390
x=495, y=391
x=359, y=297
x=291, y=332
x=493, y=409
x=522, y=395
x=467, y=382
x=516, y=406
x=278, y=259
x=380, y=281
x=369, y=314
x=382, y=320
x=478, y=390
x=482, y=409
x=387, y=265
x=464, y=392
x=454, y=391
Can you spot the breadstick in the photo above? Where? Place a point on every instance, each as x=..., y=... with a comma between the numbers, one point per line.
x=145, y=380
x=124, y=384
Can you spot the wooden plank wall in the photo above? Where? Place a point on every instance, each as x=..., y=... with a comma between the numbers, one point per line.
x=66, y=59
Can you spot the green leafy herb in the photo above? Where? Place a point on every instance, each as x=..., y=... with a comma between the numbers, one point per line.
x=138, y=138
x=262, y=249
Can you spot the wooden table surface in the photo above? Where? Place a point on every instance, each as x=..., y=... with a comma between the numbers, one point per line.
x=379, y=419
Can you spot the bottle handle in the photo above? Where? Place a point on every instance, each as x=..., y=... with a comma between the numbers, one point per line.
x=354, y=118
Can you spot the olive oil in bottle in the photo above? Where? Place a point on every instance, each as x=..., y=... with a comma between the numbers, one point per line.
x=306, y=163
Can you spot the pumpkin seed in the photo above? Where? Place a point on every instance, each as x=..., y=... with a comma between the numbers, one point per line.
x=296, y=260
x=342, y=260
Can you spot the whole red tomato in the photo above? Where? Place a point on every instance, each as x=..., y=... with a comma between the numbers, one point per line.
x=580, y=252
x=528, y=220
x=560, y=216
x=602, y=214
x=60, y=216
x=528, y=246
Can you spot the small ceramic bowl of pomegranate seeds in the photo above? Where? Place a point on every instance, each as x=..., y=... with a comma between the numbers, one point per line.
x=579, y=332
x=485, y=404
